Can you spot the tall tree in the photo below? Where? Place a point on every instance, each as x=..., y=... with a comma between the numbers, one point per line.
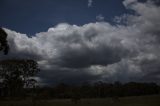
x=3, y=42
x=16, y=74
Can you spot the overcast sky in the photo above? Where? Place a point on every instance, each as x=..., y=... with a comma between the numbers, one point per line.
x=76, y=41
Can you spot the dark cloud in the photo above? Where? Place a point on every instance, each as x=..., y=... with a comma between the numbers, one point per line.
x=72, y=76
x=86, y=57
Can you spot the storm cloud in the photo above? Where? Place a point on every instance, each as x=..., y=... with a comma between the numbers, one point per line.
x=96, y=51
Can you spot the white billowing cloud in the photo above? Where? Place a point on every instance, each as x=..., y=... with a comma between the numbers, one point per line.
x=96, y=51
x=129, y=2
x=90, y=2
x=127, y=71
x=100, y=17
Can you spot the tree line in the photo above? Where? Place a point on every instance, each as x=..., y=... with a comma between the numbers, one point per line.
x=98, y=90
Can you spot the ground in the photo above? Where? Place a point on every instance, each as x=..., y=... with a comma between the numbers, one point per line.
x=153, y=100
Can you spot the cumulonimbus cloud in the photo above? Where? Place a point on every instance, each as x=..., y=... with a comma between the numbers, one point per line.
x=96, y=51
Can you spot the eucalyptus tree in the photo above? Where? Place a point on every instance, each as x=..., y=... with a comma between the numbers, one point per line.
x=17, y=74
x=3, y=42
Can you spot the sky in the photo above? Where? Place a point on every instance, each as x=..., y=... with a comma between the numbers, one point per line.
x=76, y=41
x=32, y=16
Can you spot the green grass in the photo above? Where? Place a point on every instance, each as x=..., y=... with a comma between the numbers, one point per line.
x=124, y=101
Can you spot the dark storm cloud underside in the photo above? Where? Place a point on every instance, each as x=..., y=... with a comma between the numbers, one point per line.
x=87, y=57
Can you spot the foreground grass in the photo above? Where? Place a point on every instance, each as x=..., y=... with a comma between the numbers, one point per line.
x=124, y=101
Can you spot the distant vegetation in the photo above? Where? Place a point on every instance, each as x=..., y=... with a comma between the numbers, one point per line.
x=97, y=90
x=76, y=92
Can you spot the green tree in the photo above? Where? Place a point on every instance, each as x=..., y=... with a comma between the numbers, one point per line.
x=17, y=74
x=3, y=42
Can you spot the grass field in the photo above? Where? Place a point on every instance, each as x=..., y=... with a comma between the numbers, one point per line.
x=124, y=101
